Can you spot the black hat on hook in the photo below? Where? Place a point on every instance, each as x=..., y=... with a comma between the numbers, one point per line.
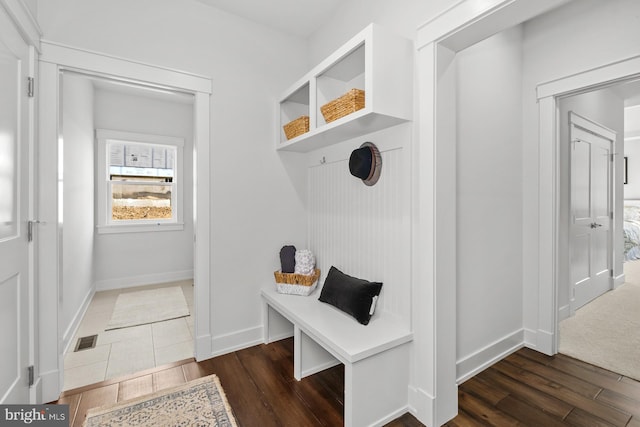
x=366, y=163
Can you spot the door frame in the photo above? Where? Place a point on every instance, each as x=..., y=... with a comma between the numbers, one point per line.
x=548, y=95
x=54, y=59
x=433, y=391
x=28, y=27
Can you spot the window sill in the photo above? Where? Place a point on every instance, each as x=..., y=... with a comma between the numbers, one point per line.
x=140, y=228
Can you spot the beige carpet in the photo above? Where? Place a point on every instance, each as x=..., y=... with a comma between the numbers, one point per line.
x=606, y=332
x=200, y=402
x=149, y=306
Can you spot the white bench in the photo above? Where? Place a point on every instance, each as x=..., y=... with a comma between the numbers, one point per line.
x=375, y=356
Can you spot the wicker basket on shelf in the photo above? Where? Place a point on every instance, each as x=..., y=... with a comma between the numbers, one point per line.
x=348, y=103
x=296, y=127
x=296, y=284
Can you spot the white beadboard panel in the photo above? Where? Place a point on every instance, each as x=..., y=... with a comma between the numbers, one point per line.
x=364, y=231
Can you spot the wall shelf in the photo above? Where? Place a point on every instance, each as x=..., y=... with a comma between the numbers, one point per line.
x=376, y=61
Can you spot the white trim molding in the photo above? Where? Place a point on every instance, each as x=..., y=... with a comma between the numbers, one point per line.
x=75, y=322
x=487, y=356
x=549, y=191
x=237, y=340
x=142, y=280
x=25, y=22
x=433, y=376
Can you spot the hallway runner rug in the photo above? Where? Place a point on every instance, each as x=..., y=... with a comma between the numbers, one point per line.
x=200, y=402
x=148, y=306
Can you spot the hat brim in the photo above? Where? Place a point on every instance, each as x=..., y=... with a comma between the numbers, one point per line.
x=376, y=168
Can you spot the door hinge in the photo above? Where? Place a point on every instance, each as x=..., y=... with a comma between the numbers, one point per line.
x=611, y=157
x=31, y=86
x=30, y=225
x=31, y=375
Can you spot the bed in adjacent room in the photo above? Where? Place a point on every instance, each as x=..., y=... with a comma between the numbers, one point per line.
x=631, y=230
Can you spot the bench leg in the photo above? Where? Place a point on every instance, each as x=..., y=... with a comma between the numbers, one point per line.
x=276, y=326
x=265, y=322
x=297, y=351
x=375, y=388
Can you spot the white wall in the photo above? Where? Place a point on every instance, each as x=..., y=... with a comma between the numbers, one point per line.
x=131, y=259
x=256, y=207
x=365, y=231
x=554, y=47
x=489, y=198
x=499, y=283
x=78, y=220
x=632, y=151
x=606, y=108
x=401, y=16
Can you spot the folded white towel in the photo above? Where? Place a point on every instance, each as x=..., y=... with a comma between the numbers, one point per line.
x=305, y=262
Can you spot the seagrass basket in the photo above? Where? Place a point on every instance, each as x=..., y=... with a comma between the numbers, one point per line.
x=296, y=127
x=296, y=284
x=348, y=103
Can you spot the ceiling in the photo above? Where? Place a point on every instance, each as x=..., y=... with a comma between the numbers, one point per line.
x=298, y=17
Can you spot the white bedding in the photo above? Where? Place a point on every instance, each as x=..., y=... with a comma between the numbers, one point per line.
x=631, y=229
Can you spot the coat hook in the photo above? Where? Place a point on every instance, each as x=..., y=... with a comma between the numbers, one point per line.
x=323, y=160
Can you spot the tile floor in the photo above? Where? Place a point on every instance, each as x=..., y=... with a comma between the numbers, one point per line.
x=125, y=351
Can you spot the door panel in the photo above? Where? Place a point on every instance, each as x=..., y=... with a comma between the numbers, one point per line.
x=580, y=181
x=591, y=207
x=14, y=205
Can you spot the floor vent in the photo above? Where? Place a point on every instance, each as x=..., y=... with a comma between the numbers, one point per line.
x=86, y=343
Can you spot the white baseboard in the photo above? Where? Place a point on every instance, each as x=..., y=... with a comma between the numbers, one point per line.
x=50, y=386
x=35, y=392
x=421, y=405
x=279, y=337
x=227, y=343
x=392, y=416
x=545, y=342
x=530, y=338
x=144, y=279
x=564, y=312
x=71, y=330
x=203, y=350
x=618, y=280
x=487, y=356
x=320, y=368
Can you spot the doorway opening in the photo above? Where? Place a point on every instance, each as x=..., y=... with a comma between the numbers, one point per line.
x=117, y=242
x=602, y=332
x=55, y=326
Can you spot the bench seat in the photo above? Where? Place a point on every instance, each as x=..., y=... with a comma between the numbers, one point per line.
x=376, y=356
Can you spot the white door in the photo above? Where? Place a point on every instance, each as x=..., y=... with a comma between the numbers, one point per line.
x=14, y=205
x=591, y=209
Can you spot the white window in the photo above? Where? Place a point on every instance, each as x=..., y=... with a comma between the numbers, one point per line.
x=139, y=180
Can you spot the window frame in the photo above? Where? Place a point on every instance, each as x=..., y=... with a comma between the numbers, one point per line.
x=105, y=222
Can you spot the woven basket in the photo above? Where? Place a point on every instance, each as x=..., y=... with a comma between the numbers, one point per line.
x=296, y=284
x=348, y=103
x=296, y=127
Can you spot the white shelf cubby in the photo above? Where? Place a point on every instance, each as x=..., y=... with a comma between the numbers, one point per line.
x=376, y=61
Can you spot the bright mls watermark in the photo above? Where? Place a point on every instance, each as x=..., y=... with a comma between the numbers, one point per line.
x=34, y=415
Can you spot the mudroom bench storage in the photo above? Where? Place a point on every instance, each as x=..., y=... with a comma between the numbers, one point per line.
x=375, y=356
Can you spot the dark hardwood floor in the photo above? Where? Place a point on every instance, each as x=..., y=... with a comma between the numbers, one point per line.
x=525, y=389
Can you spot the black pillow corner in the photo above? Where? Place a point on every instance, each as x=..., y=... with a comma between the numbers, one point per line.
x=351, y=295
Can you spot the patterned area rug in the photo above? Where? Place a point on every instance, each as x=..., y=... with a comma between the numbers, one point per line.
x=201, y=402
